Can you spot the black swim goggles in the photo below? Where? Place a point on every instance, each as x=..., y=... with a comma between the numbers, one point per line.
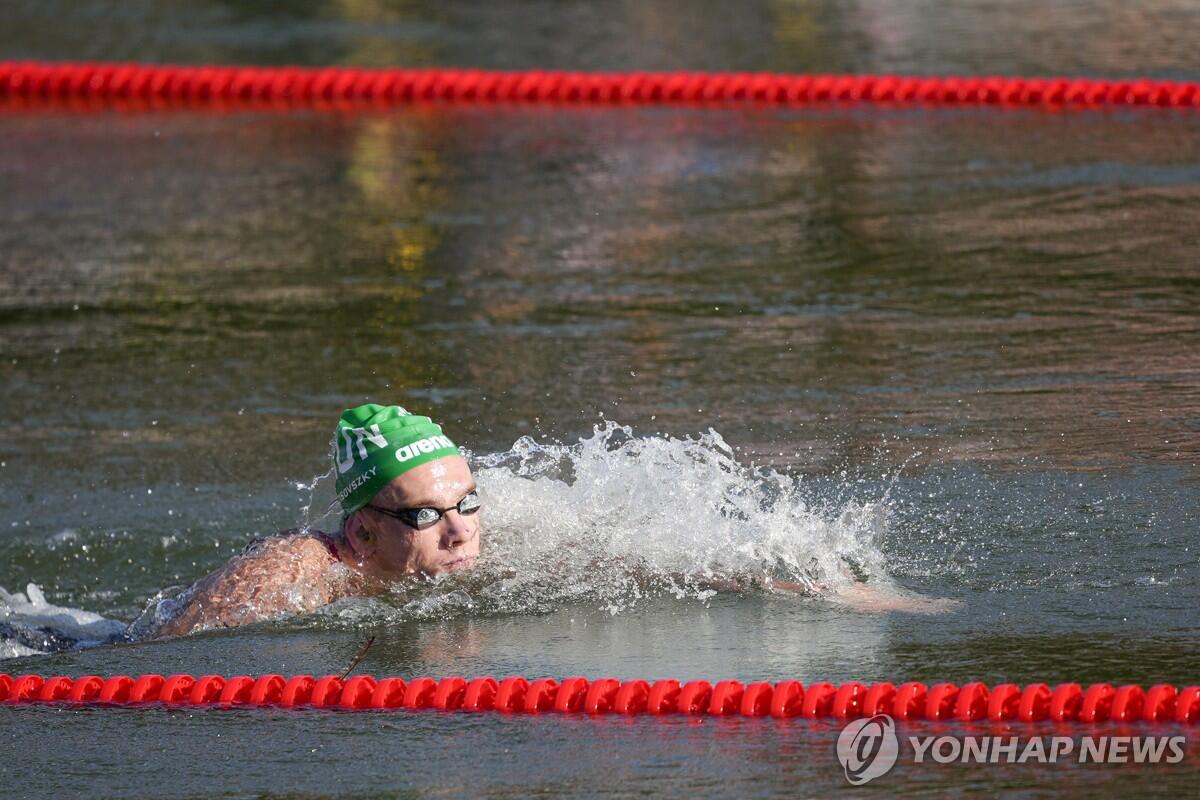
x=422, y=518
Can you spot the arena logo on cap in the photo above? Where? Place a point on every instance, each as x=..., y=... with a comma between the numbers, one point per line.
x=426, y=445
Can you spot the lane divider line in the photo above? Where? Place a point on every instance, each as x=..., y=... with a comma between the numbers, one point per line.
x=134, y=86
x=1068, y=702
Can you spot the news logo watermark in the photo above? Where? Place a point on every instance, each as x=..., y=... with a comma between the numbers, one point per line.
x=869, y=748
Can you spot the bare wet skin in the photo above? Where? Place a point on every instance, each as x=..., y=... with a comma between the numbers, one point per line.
x=966, y=336
x=281, y=576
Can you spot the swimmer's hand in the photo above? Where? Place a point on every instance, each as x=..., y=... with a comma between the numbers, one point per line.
x=868, y=598
x=858, y=596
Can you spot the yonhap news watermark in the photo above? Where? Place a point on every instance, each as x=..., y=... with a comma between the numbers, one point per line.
x=869, y=748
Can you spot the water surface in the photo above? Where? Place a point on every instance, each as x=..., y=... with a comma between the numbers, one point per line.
x=981, y=324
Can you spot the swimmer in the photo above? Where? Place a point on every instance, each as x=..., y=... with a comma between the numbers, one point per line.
x=410, y=508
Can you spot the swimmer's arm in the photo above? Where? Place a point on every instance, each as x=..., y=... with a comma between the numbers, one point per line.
x=730, y=585
x=857, y=594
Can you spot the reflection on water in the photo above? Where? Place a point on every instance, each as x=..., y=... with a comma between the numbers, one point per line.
x=1022, y=37
x=819, y=286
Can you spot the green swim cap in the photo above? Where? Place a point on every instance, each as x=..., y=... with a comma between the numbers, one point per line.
x=373, y=444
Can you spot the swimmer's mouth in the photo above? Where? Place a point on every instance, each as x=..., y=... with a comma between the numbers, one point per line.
x=460, y=563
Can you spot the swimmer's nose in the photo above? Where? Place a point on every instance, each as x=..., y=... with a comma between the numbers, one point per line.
x=458, y=530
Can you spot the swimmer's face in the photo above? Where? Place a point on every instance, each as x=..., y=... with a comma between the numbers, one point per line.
x=393, y=549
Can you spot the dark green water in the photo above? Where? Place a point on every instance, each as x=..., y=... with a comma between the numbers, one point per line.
x=982, y=322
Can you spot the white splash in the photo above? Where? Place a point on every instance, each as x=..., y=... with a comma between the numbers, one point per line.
x=30, y=611
x=678, y=509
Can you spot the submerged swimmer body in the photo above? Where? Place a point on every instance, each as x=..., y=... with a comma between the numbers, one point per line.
x=410, y=510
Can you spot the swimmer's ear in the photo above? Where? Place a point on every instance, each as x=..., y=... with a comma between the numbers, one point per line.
x=362, y=541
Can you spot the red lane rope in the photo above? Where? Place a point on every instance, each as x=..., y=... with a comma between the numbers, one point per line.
x=1068, y=702
x=31, y=83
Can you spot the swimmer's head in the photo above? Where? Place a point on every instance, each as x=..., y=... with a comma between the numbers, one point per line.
x=408, y=495
x=373, y=445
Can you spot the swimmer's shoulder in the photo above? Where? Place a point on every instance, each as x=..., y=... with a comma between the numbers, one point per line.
x=295, y=543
